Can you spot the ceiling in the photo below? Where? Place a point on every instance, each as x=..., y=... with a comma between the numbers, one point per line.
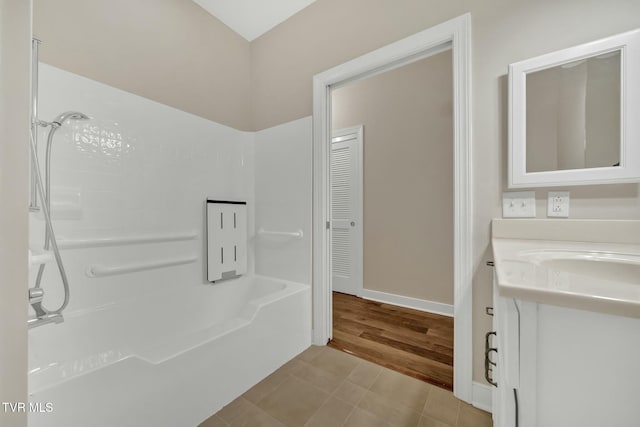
x=252, y=18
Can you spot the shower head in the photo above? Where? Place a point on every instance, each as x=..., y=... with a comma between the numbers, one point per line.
x=74, y=115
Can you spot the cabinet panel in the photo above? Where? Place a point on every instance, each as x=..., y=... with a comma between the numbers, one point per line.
x=570, y=367
x=507, y=372
x=588, y=369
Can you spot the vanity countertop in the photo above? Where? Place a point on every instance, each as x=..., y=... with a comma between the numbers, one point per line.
x=584, y=264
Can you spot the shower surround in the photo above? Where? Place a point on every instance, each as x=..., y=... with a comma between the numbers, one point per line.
x=144, y=332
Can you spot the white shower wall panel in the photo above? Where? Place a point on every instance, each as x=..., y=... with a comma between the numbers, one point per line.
x=283, y=199
x=136, y=169
x=140, y=170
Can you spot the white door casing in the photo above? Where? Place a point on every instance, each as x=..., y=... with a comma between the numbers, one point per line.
x=454, y=34
x=346, y=210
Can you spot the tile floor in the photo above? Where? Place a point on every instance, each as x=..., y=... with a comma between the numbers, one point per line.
x=324, y=387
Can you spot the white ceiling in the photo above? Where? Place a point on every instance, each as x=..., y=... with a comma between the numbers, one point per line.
x=252, y=18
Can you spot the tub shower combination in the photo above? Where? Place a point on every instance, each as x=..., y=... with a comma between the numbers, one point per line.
x=116, y=340
x=173, y=370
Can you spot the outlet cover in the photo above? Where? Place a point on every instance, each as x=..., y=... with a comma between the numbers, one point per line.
x=558, y=204
x=519, y=204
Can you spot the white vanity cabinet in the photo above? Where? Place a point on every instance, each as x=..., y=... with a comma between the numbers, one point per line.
x=568, y=367
x=567, y=323
x=506, y=371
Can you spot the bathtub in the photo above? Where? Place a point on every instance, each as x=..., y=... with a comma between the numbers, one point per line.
x=153, y=362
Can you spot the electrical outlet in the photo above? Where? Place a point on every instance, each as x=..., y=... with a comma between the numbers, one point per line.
x=558, y=204
x=519, y=204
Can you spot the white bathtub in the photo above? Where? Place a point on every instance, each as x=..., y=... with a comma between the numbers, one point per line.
x=157, y=363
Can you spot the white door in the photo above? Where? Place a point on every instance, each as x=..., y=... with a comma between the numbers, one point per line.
x=346, y=210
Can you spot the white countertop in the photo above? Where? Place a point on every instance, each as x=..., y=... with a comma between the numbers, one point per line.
x=532, y=262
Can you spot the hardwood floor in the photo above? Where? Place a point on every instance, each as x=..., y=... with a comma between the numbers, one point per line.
x=413, y=342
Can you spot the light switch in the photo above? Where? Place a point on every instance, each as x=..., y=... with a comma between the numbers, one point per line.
x=558, y=204
x=519, y=204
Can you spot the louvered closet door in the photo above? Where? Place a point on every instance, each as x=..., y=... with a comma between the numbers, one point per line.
x=345, y=214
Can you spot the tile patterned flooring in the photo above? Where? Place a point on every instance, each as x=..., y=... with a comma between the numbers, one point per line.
x=324, y=387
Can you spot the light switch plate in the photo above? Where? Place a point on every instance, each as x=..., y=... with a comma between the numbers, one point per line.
x=558, y=204
x=519, y=204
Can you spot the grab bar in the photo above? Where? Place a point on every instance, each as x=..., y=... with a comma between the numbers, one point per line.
x=102, y=271
x=124, y=240
x=295, y=234
x=44, y=320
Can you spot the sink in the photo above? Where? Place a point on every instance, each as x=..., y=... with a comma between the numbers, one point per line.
x=589, y=265
x=606, y=266
x=597, y=269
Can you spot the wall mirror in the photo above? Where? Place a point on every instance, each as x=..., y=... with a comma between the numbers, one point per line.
x=574, y=115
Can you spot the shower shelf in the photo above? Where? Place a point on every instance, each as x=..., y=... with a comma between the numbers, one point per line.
x=102, y=271
x=124, y=240
x=295, y=234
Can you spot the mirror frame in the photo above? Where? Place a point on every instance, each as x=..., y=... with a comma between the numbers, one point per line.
x=629, y=170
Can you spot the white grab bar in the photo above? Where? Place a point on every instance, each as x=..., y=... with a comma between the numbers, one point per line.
x=295, y=234
x=124, y=240
x=102, y=271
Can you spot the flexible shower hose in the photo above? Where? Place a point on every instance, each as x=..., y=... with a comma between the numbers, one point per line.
x=50, y=233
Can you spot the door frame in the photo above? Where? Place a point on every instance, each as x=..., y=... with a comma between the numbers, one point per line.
x=454, y=34
x=359, y=235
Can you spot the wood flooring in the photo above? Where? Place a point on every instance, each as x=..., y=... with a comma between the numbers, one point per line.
x=413, y=342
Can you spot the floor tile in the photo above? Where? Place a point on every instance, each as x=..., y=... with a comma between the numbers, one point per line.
x=321, y=378
x=473, y=417
x=242, y=413
x=266, y=386
x=334, y=412
x=336, y=362
x=233, y=409
x=401, y=389
x=311, y=353
x=292, y=366
x=324, y=387
x=426, y=421
x=442, y=405
x=361, y=418
x=350, y=392
x=214, y=421
x=365, y=373
x=395, y=413
x=293, y=402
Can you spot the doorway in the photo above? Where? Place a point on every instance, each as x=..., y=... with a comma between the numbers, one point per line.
x=408, y=219
x=455, y=35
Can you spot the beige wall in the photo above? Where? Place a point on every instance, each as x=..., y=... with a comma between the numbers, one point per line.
x=330, y=32
x=15, y=41
x=171, y=51
x=408, y=176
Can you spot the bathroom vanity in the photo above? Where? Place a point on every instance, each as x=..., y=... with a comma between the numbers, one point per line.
x=566, y=344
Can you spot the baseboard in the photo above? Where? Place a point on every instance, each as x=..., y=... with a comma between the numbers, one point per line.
x=482, y=396
x=409, y=302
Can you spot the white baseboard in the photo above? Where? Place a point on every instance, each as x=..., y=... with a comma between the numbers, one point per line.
x=409, y=302
x=482, y=396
